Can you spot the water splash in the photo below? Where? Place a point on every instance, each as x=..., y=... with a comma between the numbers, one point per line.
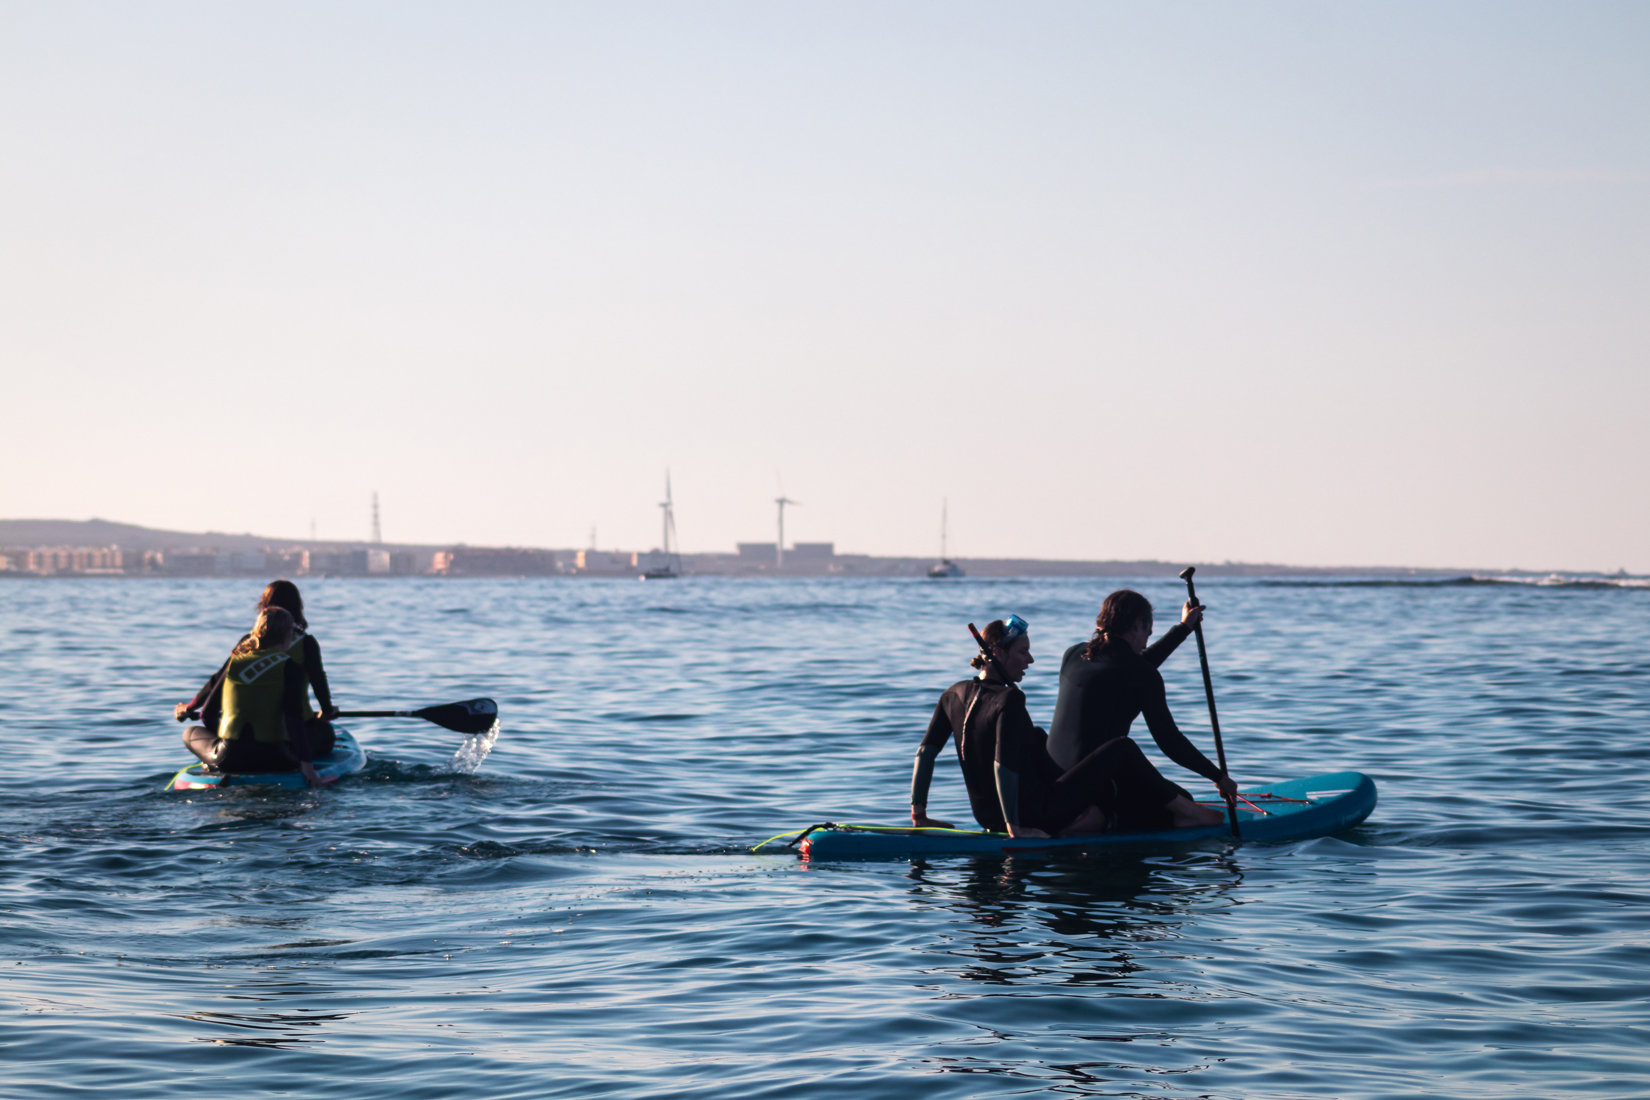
x=472, y=752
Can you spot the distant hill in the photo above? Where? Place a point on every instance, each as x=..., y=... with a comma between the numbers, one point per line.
x=129, y=536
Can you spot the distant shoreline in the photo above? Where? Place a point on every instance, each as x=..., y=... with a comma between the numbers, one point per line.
x=1444, y=579
x=149, y=552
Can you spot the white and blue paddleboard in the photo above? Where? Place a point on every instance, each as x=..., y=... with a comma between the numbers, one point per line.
x=1292, y=810
x=346, y=758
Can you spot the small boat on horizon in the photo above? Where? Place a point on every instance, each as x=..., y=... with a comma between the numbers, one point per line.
x=945, y=567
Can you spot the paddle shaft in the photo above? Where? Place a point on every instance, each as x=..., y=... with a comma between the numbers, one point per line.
x=467, y=717
x=1209, y=693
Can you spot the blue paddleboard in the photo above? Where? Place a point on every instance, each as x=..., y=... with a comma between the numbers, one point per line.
x=346, y=758
x=1295, y=809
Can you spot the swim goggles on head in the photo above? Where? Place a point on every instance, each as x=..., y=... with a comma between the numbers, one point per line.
x=1014, y=627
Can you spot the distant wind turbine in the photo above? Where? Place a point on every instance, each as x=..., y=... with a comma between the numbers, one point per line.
x=669, y=510
x=672, y=566
x=782, y=500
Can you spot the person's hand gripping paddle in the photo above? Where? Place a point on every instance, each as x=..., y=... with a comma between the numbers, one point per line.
x=1209, y=693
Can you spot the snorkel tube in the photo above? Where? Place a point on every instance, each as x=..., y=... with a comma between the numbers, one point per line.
x=1016, y=627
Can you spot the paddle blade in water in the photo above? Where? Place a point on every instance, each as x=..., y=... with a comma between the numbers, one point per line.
x=470, y=716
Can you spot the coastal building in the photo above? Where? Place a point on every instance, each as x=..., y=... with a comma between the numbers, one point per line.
x=236, y=562
x=187, y=563
x=53, y=560
x=653, y=561
x=320, y=563
x=800, y=557
x=336, y=563
x=466, y=561
x=606, y=563
x=283, y=563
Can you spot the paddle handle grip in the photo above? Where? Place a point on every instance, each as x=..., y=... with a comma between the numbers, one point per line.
x=1209, y=694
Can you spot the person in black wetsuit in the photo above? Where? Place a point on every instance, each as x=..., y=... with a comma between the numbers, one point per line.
x=305, y=650
x=1104, y=684
x=1013, y=785
x=262, y=700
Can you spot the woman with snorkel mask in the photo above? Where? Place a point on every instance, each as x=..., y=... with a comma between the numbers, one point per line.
x=1014, y=786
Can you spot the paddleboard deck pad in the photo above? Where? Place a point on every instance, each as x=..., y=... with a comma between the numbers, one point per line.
x=1295, y=809
x=346, y=758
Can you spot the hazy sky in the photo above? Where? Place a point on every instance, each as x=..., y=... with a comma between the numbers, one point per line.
x=1329, y=283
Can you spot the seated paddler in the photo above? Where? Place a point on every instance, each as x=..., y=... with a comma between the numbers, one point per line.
x=1013, y=784
x=1105, y=684
x=205, y=706
x=262, y=699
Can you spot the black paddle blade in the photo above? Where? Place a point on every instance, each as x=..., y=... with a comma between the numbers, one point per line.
x=470, y=716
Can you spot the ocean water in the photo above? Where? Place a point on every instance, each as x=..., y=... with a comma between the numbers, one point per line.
x=578, y=913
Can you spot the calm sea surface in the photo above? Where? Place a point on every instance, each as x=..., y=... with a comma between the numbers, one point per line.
x=582, y=915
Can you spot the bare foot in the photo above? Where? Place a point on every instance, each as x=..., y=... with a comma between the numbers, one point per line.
x=1187, y=814
x=1023, y=831
x=1091, y=820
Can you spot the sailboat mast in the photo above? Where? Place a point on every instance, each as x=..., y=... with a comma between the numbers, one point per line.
x=664, y=540
x=944, y=505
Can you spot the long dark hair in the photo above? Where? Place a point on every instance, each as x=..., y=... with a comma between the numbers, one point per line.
x=993, y=635
x=1118, y=615
x=284, y=595
x=273, y=626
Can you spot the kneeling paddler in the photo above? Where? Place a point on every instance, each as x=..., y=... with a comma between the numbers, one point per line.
x=263, y=698
x=1104, y=685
